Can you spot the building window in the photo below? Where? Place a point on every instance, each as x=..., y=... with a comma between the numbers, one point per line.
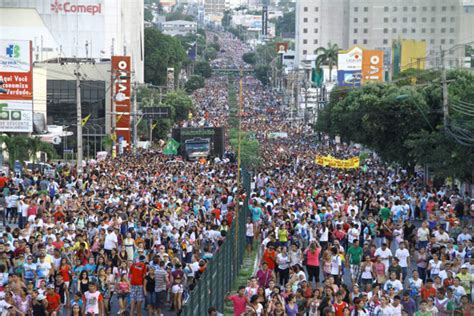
x=443, y=8
x=315, y=51
x=356, y=9
x=305, y=41
x=443, y=30
x=413, y=20
x=453, y=19
x=305, y=52
x=385, y=41
x=305, y=9
x=453, y=8
x=356, y=20
x=385, y=31
x=432, y=41
x=385, y=9
x=405, y=20
x=315, y=41
x=316, y=20
x=394, y=20
x=395, y=9
x=316, y=31
x=365, y=41
x=432, y=31
x=316, y=9
x=305, y=20
x=394, y=30
x=443, y=19
x=405, y=9
x=443, y=41
x=354, y=41
x=423, y=30
x=451, y=41
x=305, y=30
x=413, y=9
x=404, y=31
x=366, y=20
x=433, y=9
x=433, y=20
x=425, y=9
x=366, y=9
x=413, y=30
x=451, y=30
x=366, y=31
x=423, y=20
x=385, y=20
x=356, y=31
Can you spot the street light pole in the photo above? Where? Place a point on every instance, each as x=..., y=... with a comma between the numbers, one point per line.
x=78, y=120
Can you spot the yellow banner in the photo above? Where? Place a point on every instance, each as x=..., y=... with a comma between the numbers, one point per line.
x=329, y=161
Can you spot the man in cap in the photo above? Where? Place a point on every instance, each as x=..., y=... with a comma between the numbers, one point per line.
x=137, y=273
x=54, y=300
x=466, y=279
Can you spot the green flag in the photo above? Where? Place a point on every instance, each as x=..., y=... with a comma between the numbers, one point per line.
x=317, y=76
x=171, y=147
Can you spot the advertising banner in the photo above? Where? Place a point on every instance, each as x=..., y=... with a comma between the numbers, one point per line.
x=16, y=105
x=372, y=66
x=329, y=161
x=413, y=55
x=347, y=78
x=281, y=47
x=121, y=72
x=350, y=59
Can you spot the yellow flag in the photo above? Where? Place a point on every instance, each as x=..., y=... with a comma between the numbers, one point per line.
x=190, y=115
x=154, y=125
x=84, y=120
x=119, y=117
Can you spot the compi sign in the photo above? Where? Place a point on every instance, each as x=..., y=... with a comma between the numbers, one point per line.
x=121, y=71
x=16, y=106
x=68, y=7
x=356, y=66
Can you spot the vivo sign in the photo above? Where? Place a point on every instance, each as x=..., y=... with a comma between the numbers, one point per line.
x=68, y=7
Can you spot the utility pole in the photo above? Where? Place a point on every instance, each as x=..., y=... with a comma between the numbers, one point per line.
x=445, y=92
x=78, y=119
x=240, y=126
x=135, y=117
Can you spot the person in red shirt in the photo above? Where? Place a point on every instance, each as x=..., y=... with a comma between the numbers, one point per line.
x=137, y=273
x=239, y=300
x=54, y=300
x=269, y=256
x=3, y=181
x=339, y=305
x=428, y=290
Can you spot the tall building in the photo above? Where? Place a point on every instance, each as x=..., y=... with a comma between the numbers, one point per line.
x=94, y=29
x=375, y=24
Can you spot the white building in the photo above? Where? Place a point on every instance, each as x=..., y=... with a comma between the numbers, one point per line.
x=374, y=24
x=94, y=29
x=179, y=27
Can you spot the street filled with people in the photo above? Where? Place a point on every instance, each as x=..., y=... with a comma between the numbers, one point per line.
x=134, y=234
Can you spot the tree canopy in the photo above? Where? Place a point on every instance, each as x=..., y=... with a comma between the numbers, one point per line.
x=194, y=82
x=161, y=51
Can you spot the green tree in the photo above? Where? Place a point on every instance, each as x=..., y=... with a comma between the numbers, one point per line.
x=161, y=51
x=250, y=58
x=148, y=15
x=203, y=68
x=24, y=148
x=210, y=53
x=227, y=19
x=327, y=56
x=286, y=23
x=181, y=104
x=261, y=73
x=194, y=82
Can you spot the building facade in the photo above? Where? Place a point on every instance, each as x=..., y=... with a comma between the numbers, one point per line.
x=374, y=24
x=179, y=27
x=95, y=29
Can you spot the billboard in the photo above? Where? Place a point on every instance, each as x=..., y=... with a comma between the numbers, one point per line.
x=349, y=78
x=121, y=72
x=281, y=47
x=214, y=134
x=413, y=55
x=372, y=65
x=349, y=67
x=16, y=105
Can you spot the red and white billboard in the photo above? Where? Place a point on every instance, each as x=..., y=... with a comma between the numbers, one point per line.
x=121, y=74
x=16, y=105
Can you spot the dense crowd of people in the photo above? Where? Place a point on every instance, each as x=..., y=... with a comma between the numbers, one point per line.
x=138, y=231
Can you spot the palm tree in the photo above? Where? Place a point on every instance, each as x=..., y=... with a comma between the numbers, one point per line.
x=327, y=56
x=24, y=148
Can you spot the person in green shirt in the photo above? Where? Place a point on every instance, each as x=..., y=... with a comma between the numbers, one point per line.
x=354, y=254
x=466, y=279
x=385, y=212
x=423, y=311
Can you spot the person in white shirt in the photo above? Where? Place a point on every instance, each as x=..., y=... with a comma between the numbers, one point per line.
x=393, y=283
x=464, y=236
x=111, y=241
x=384, y=309
x=385, y=254
x=404, y=256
